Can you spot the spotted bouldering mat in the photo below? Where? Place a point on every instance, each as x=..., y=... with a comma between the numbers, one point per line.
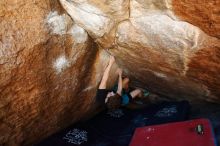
x=188, y=133
x=116, y=128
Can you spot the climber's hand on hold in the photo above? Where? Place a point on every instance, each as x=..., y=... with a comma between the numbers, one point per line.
x=119, y=71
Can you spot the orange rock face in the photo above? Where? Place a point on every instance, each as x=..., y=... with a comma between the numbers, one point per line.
x=169, y=47
x=204, y=68
x=48, y=76
x=204, y=14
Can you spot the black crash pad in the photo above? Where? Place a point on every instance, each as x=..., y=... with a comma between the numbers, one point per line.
x=117, y=127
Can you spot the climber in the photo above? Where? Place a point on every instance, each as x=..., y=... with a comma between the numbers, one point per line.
x=118, y=96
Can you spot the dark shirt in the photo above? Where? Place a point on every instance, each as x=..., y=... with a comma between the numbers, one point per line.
x=101, y=94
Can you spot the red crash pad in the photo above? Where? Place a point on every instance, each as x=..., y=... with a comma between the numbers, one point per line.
x=188, y=133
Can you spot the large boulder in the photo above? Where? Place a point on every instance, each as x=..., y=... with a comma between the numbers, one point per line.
x=159, y=44
x=49, y=71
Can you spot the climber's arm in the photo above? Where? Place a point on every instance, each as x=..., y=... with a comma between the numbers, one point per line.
x=106, y=73
x=119, y=90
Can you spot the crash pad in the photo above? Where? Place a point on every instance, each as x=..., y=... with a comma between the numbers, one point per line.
x=116, y=128
x=197, y=132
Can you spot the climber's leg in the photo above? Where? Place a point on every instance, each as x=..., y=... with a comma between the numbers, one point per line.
x=136, y=93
